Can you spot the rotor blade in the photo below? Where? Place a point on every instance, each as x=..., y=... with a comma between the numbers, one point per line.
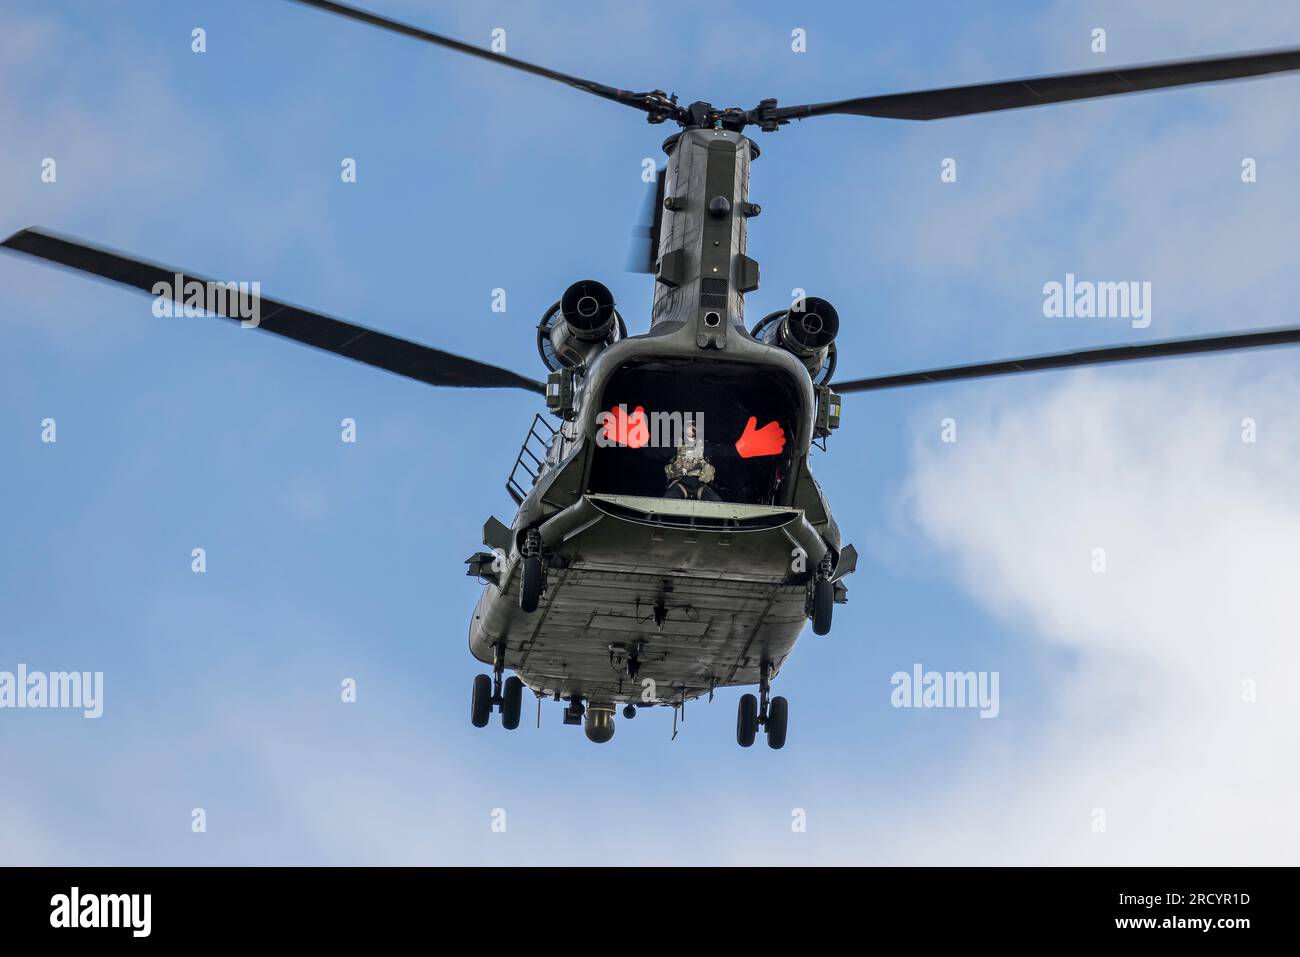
x=644, y=253
x=406, y=358
x=638, y=100
x=1038, y=91
x=1160, y=349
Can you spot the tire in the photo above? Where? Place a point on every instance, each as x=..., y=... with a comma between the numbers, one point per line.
x=746, y=720
x=480, y=706
x=778, y=713
x=530, y=585
x=512, y=700
x=823, y=606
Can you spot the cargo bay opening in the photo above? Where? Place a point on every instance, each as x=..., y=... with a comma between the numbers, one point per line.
x=719, y=398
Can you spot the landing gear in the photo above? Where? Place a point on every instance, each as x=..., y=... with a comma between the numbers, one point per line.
x=491, y=693
x=480, y=708
x=746, y=720
x=771, y=715
x=823, y=606
x=629, y=711
x=823, y=598
x=512, y=701
x=532, y=579
x=530, y=587
x=777, y=714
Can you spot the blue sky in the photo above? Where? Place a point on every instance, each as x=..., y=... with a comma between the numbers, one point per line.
x=328, y=561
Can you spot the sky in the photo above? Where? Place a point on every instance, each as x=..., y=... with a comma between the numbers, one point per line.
x=1145, y=713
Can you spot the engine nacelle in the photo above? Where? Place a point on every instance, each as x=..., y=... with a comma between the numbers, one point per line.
x=586, y=323
x=807, y=333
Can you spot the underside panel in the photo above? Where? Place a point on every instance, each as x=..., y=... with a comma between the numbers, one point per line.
x=729, y=594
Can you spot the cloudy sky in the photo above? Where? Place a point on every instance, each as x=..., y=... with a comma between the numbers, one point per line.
x=1152, y=696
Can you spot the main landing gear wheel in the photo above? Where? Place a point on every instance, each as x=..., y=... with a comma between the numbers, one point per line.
x=778, y=712
x=746, y=720
x=772, y=715
x=512, y=699
x=823, y=605
x=530, y=586
x=493, y=692
x=480, y=708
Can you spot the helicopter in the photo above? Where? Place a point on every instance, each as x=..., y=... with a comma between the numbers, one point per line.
x=670, y=538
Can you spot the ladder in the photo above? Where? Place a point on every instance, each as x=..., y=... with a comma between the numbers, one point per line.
x=531, y=458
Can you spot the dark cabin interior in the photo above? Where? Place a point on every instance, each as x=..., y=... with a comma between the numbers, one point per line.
x=721, y=396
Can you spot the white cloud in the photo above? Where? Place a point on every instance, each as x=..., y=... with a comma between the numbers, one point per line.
x=1202, y=540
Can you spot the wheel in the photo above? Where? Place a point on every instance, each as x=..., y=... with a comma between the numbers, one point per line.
x=512, y=699
x=481, y=703
x=530, y=588
x=823, y=605
x=778, y=712
x=746, y=720
x=629, y=711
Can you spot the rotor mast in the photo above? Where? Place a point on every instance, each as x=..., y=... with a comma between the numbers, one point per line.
x=701, y=271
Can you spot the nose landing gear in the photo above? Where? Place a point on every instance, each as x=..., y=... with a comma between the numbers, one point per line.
x=771, y=715
x=489, y=693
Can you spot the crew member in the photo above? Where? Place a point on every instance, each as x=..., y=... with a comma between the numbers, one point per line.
x=689, y=473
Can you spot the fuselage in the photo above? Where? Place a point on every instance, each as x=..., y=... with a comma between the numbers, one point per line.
x=651, y=597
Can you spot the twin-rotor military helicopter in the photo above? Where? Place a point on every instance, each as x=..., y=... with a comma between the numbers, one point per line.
x=648, y=565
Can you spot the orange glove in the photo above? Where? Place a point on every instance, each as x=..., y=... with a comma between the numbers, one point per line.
x=630, y=430
x=769, y=440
